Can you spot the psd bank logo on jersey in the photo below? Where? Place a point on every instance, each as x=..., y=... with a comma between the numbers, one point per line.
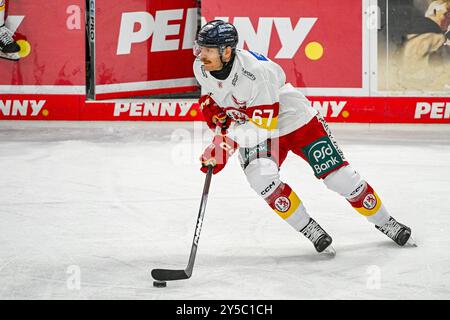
x=322, y=156
x=282, y=204
x=370, y=201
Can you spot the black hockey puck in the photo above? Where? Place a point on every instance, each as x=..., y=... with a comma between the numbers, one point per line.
x=159, y=284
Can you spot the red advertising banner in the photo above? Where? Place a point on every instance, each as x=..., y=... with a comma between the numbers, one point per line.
x=383, y=110
x=51, y=34
x=319, y=43
x=40, y=106
x=144, y=47
x=142, y=110
x=334, y=109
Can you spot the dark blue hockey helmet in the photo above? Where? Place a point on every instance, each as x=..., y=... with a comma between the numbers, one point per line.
x=217, y=34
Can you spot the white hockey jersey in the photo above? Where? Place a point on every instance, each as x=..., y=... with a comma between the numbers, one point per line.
x=256, y=96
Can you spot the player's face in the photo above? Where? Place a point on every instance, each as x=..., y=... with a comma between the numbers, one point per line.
x=444, y=18
x=446, y=23
x=210, y=58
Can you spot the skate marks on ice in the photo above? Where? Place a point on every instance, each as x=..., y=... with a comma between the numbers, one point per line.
x=116, y=216
x=260, y=272
x=293, y=273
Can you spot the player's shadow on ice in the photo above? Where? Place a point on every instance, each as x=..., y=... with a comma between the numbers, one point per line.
x=363, y=253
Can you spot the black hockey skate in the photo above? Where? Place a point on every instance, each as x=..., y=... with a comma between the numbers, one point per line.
x=397, y=231
x=320, y=239
x=9, y=49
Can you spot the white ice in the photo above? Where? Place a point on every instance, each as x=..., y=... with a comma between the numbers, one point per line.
x=89, y=208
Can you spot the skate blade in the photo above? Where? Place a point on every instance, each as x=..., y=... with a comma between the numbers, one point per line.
x=10, y=56
x=411, y=243
x=329, y=251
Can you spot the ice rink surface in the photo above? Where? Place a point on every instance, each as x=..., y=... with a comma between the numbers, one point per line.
x=88, y=209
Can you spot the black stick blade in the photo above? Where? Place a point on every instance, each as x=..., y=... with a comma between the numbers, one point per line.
x=168, y=275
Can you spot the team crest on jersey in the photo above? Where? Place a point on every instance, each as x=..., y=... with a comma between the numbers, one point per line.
x=237, y=115
x=240, y=104
x=220, y=84
x=370, y=201
x=282, y=204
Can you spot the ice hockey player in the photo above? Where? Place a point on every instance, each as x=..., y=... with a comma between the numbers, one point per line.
x=9, y=49
x=264, y=118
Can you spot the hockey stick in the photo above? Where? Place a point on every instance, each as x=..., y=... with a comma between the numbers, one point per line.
x=169, y=275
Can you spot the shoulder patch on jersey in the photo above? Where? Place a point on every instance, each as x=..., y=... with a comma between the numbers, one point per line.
x=258, y=56
x=248, y=74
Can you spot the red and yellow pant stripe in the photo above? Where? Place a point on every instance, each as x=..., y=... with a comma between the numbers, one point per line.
x=367, y=203
x=284, y=201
